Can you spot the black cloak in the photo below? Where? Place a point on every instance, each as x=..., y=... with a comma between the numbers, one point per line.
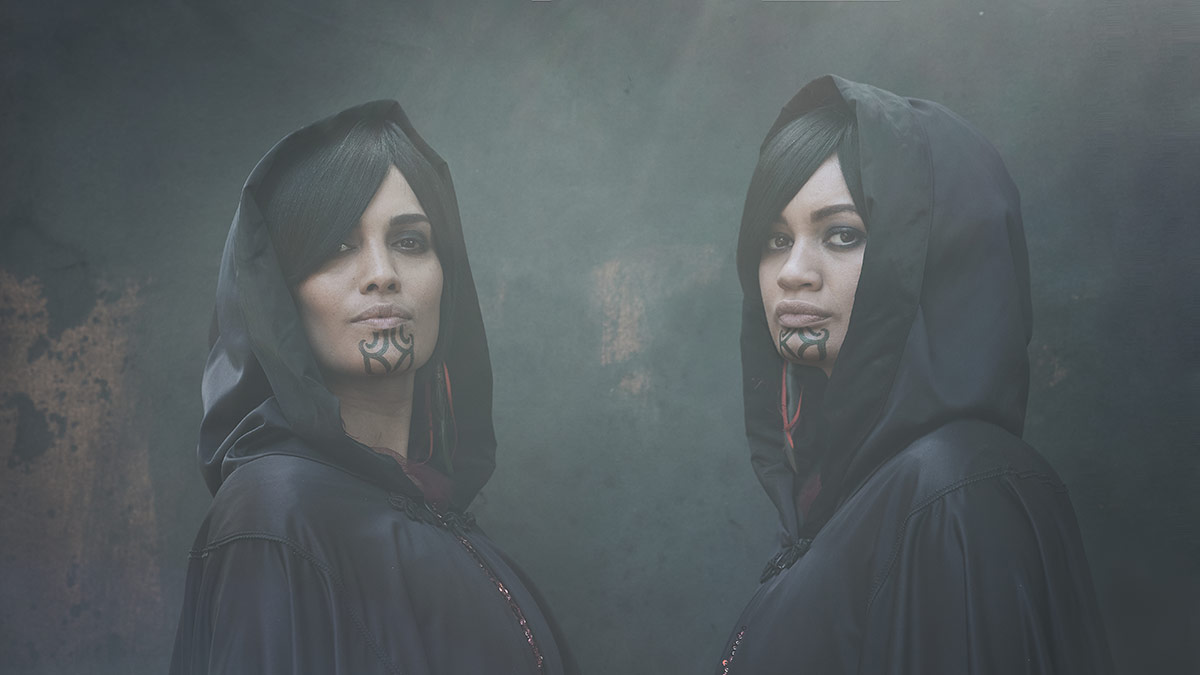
x=319, y=555
x=938, y=542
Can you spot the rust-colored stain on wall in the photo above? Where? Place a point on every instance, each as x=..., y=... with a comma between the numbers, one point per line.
x=81, y=576
x=623, y=308
x=627, y=287
x=635, y=383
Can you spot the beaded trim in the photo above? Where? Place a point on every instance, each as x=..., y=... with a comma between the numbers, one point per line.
x=727, y=662
x=422, y=511
x=512, y=604
x=459, y=524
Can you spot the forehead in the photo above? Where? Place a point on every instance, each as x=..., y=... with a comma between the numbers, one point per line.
x=827, y=186
x=394, y=197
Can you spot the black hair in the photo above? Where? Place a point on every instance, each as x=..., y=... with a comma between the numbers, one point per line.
x=788, y=159
x=315, y=195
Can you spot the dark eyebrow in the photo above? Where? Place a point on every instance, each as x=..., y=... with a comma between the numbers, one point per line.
x=408, y=219
x=832, y=210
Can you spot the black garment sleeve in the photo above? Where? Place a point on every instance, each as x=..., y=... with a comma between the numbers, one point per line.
x=260, y=605
x=987, y=577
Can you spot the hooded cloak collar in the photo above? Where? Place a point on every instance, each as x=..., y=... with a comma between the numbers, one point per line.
x=941, y=317
x=262, y=389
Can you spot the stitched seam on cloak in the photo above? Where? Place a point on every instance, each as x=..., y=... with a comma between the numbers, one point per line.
x=935, y=497
x=315, y=562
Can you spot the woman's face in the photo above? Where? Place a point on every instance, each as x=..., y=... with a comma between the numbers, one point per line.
x=809, y=269
x=374, y=307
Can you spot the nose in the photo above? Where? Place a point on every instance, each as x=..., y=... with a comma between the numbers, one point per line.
x=802, y=268
x=379, y=273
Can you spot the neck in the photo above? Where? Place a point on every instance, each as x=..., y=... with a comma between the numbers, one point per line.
x=377, y=411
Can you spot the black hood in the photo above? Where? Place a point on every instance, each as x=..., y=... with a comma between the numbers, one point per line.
x=941, y=317
x=263, y=393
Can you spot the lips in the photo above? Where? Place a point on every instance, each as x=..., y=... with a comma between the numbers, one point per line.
x=383, y=316
x=799, y=314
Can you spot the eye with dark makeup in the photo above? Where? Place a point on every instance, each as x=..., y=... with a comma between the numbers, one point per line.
x=778, y=241
x=838, y=238
x=411, y=241
x=844, y=237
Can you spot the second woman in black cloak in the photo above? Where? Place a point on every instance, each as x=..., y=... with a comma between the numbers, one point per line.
x=884, y=330
x=345, y=271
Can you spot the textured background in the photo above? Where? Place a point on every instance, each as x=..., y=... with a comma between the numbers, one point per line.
x=601, y=151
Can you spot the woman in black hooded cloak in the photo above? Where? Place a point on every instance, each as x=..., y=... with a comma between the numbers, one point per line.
x=347, y=427
x=920, y=534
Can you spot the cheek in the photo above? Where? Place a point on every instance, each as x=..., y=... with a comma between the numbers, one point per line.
x=429, y=295
x=320, y=301
x=848, y=283
x=313, y=302
x=769, y=290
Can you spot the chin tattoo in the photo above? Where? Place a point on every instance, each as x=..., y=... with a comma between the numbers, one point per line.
x=794, y=342
x=387, y=352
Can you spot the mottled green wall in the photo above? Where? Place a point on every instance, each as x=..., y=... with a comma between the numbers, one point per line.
x=601, y=151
